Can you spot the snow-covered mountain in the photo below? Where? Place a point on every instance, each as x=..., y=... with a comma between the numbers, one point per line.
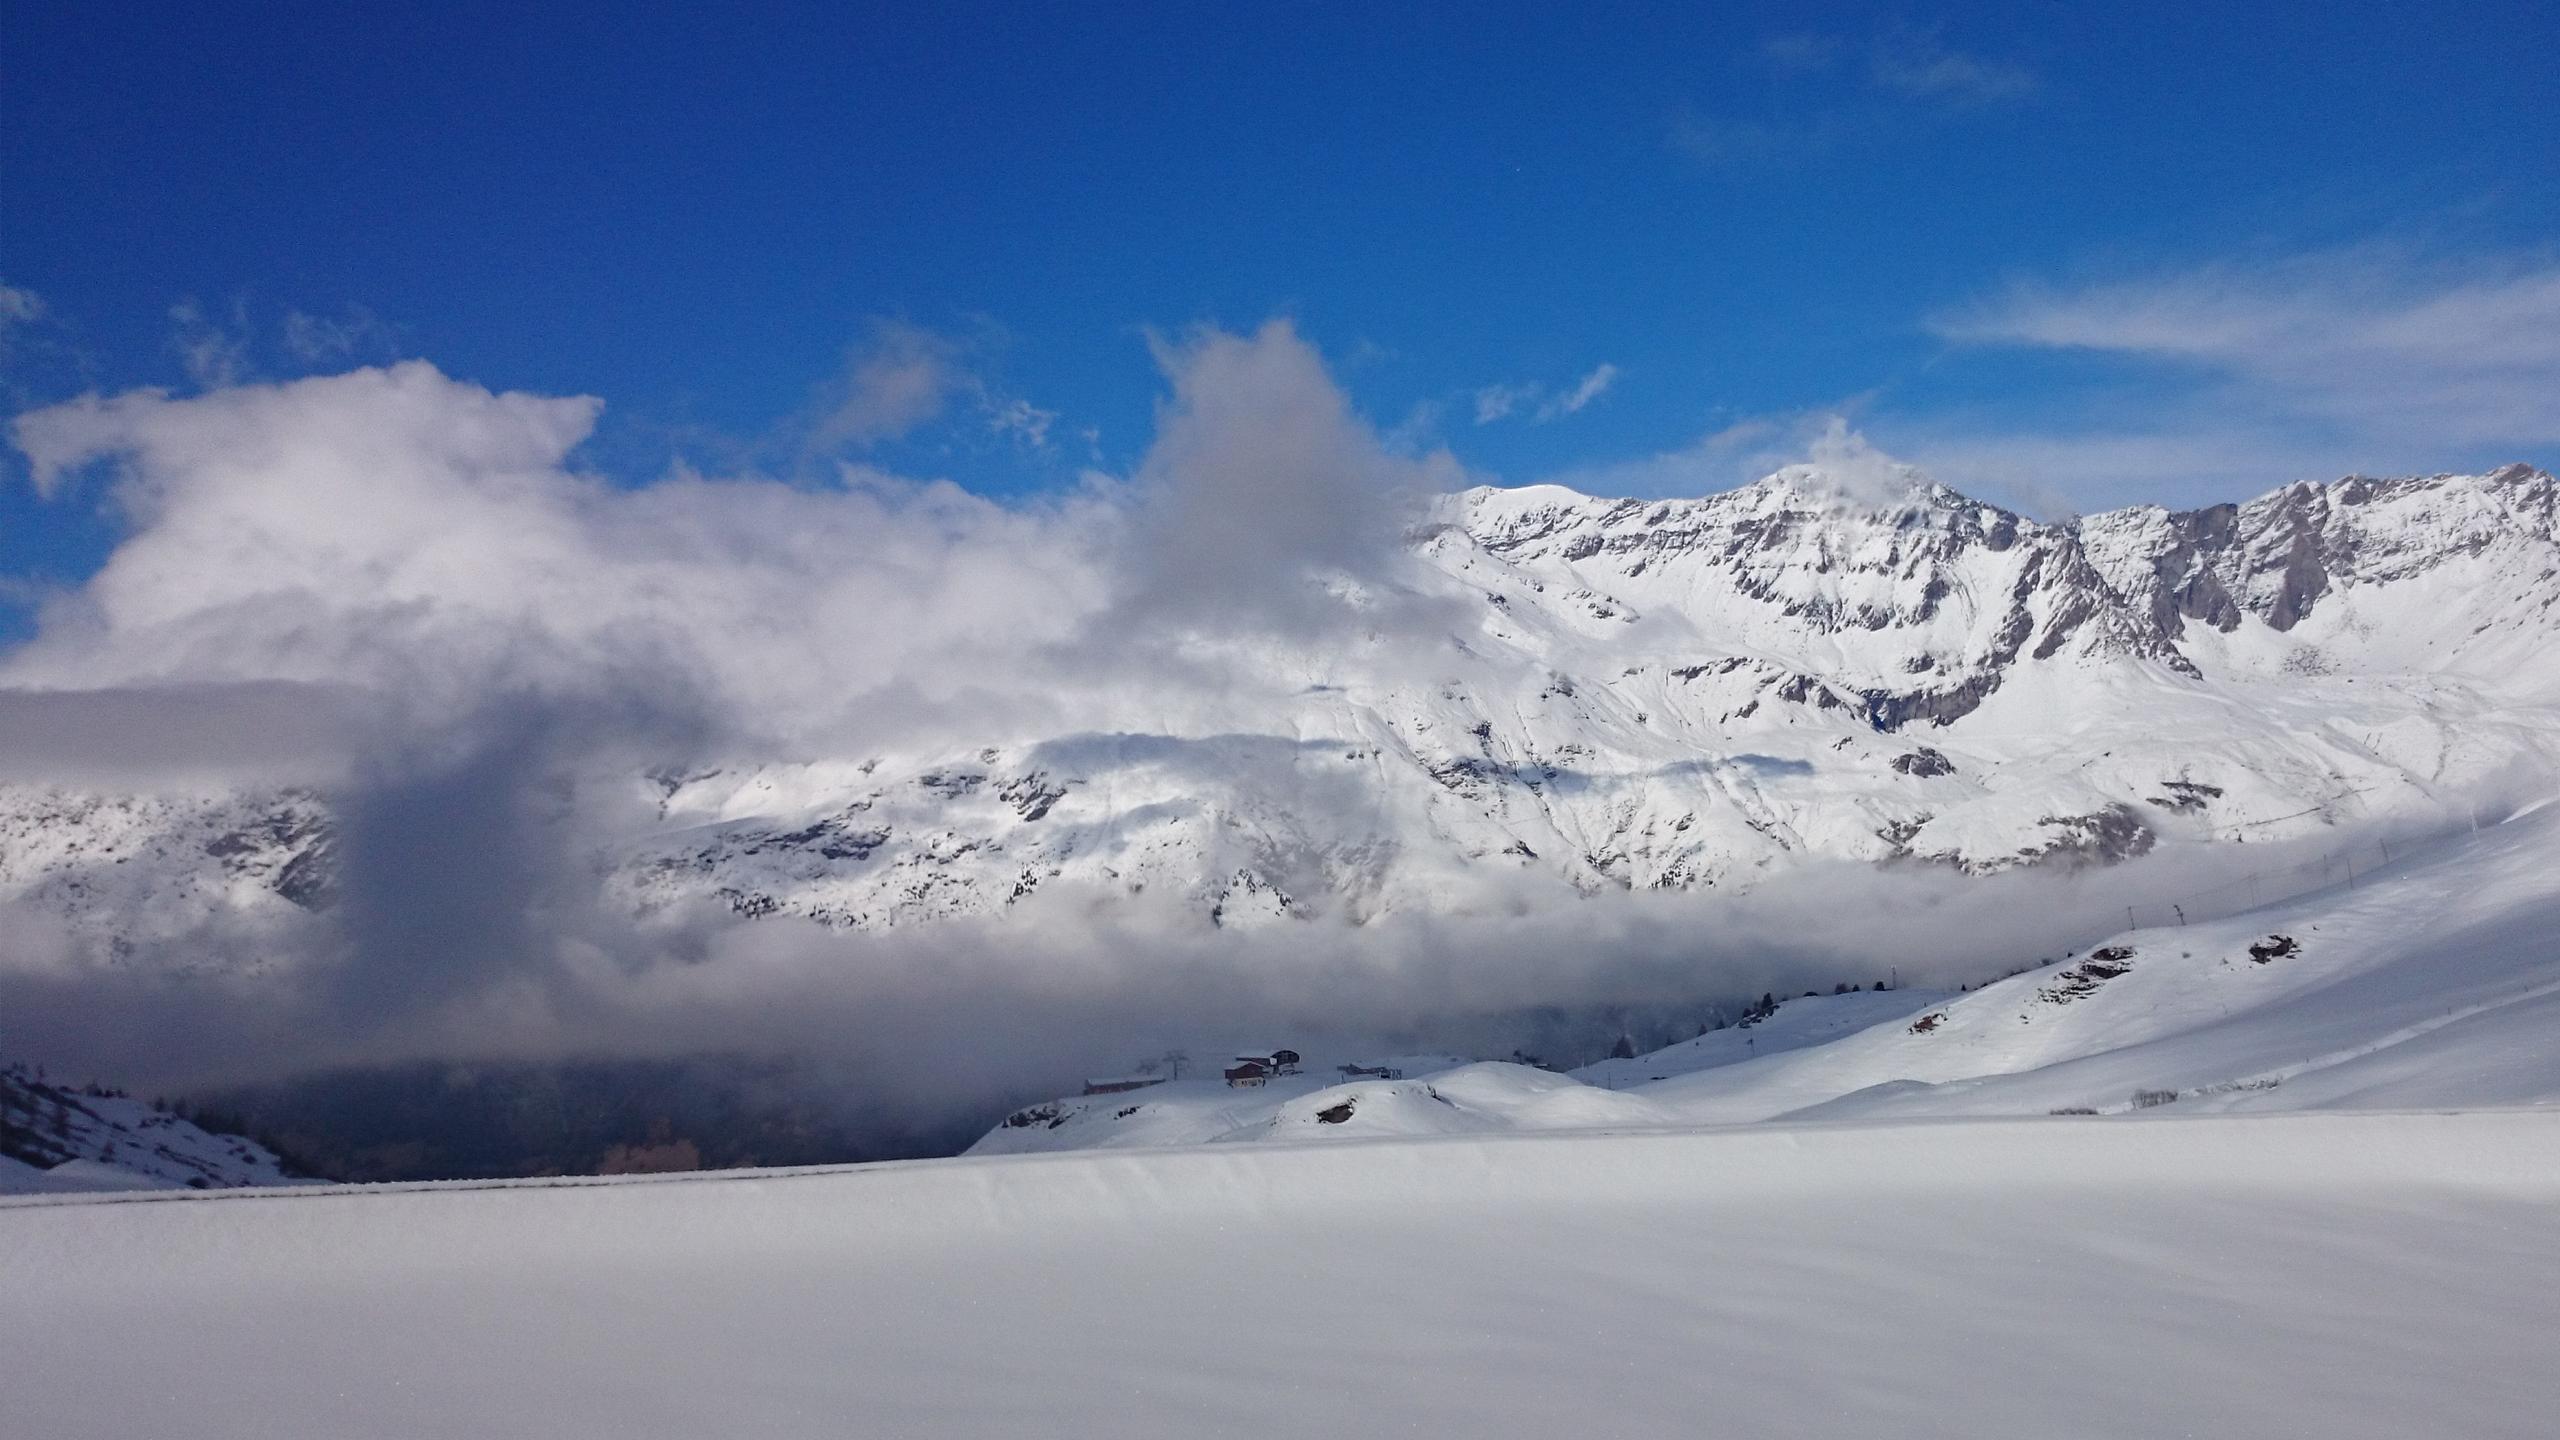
x=1613, y=695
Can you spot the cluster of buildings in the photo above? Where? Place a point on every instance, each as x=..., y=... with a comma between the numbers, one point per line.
x=1248, y=1072
x=1253, y=1070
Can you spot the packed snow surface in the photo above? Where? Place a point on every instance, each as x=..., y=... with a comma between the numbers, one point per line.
x=2301, y=1275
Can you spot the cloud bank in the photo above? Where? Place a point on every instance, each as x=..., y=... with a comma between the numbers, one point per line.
x=401, y=589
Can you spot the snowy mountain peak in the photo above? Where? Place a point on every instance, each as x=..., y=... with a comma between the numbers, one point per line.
x=1873, y=487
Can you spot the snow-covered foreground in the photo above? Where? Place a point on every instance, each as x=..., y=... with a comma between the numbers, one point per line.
x=2298, y=1275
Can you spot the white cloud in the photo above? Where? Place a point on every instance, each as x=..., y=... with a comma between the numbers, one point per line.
x=1261, y=478
x=1541, y=406
x=898, y=379
x=1823, y=451
x=2363, y=338
x=1852, y=468
x=397, y=532
x=406, y=534
x=903, y=378
x=393, y=583
x=2055, y=475
x=1496, y=402
x=1417, y=434
x=2253, y=374
x=1589, y=388
x=18, y=306
x=215, y=354
x=323, y=339
x=1824, y=105
x=1025, y=422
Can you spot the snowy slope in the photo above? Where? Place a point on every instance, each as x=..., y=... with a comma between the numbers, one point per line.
x=60, y=1139
x=1797, y=1023
x=1453, y=1097
x=2432, y=983
x=2327, y=1275
x=2436, y=983
x=1614, y=695
x=139, y=869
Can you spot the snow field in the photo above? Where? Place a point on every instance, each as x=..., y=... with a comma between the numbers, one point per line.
x=2328, y=1275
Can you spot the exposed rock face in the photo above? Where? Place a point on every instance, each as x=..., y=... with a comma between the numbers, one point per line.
x=2276, y=557
x=1793, y=557
x=1626, y=696
x=2100, y=838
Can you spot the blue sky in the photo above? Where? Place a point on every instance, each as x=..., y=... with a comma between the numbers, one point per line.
x=2066, y=256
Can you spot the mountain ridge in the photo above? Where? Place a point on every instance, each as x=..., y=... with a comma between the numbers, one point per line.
x=1622, y=695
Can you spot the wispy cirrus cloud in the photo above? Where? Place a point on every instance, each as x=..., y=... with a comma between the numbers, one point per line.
x=2219, y=381
x=2244, y=373
x=213, y=347
x=1828, y=91
x=1589, y=388
x=17, y=305
x=352, y=333
x=1540, y=405
x=2367, y=338
x=19, y=308
x=1918, y=65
